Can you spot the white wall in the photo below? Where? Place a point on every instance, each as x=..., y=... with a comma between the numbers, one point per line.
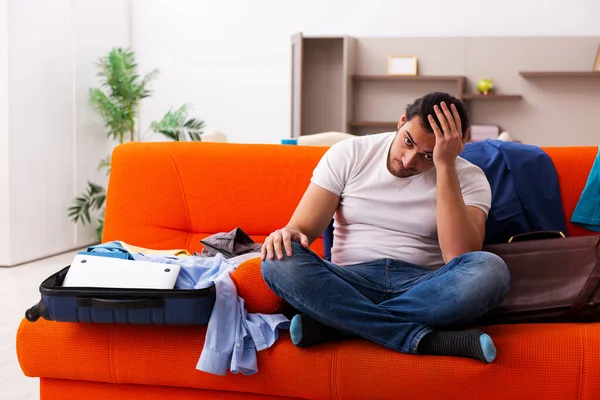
x=41, y=125
x=98, y=27
x=231, y=58
x=4, y=184
x=55, y=140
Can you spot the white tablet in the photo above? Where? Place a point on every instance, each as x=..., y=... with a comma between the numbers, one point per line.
x=109, y=272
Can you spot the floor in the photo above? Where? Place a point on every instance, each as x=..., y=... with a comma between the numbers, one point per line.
x=19, y=288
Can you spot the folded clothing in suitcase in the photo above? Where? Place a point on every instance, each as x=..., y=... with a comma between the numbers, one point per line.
x=121, y=306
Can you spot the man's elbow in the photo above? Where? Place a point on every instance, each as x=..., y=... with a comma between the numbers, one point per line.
x=449, y=257
x=454, y=253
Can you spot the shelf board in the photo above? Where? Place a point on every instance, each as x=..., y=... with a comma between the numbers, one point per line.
x=492, y=97
x=559, y=74
x=446, y=78
x=373, y=124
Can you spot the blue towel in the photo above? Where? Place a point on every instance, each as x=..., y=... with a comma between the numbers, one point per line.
x=587, y=211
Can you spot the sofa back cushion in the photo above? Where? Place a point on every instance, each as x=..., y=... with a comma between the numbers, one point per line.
x=573, y=165
x=172, y=194
x=167, y=195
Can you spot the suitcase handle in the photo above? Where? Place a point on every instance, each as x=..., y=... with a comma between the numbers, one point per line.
x=120, y=304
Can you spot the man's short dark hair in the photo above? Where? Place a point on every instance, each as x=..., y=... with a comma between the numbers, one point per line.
x=423, y=106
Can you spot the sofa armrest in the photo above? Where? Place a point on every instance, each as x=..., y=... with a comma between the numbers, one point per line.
x=258, y=297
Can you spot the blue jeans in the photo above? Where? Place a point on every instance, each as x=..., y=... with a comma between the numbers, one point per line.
x=389, y=302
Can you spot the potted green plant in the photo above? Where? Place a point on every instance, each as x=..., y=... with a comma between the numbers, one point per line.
x=117, y=100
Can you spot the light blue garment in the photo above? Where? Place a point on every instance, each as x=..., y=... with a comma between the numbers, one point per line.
x=236, y=347
x=109, y=249
x=587, y=211
x=195, y=272
x=233, y=335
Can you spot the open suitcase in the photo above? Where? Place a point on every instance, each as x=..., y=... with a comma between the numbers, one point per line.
x=121, y=306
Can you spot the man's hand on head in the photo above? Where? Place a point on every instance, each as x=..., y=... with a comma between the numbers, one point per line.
x=449, y=141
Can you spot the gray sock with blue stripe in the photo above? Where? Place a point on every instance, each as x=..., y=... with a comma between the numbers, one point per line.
x=472, y=343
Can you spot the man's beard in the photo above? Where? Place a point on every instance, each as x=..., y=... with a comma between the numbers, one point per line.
x=398, y=169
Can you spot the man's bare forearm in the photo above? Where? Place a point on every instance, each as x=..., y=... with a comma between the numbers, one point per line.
x=457, y=231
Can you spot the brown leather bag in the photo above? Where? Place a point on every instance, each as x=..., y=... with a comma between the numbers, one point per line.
x=552, y=280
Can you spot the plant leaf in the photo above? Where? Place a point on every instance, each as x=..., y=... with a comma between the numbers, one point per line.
x=121, y=90
x=92, y=199
x=100, y=228
x=120, y=70
x=176, y=126
x=105, y=163
x=194, y=129
x=143, y=92
x=115, y=116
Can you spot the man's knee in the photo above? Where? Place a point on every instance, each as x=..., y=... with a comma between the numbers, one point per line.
x=492, y=271
x=277, y=272
x=271, y=269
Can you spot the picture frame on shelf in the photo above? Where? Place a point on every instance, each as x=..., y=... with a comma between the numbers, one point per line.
x=597, y=62
x=402, y=65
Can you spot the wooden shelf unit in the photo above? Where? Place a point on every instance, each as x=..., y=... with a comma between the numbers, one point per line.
x=459, y=80
x=340, y=83
x=373, y=124
x=491, y=97
x=319, y=86
x=429, y=78
x=361, y=126
x=560, y=74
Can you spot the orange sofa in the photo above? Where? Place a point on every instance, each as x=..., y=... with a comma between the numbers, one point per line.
x=171, y=195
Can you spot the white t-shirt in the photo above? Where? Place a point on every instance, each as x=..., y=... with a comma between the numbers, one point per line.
x=383, y=216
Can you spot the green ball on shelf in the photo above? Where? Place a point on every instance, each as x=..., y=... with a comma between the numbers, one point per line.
x=485, y=86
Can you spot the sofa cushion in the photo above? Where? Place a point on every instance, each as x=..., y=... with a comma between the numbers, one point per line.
x=534, y=361
x=555, y=361
x=60, y=389
x=171, y=195
x=258, y=297
x=164, y=356
x=573, y=165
